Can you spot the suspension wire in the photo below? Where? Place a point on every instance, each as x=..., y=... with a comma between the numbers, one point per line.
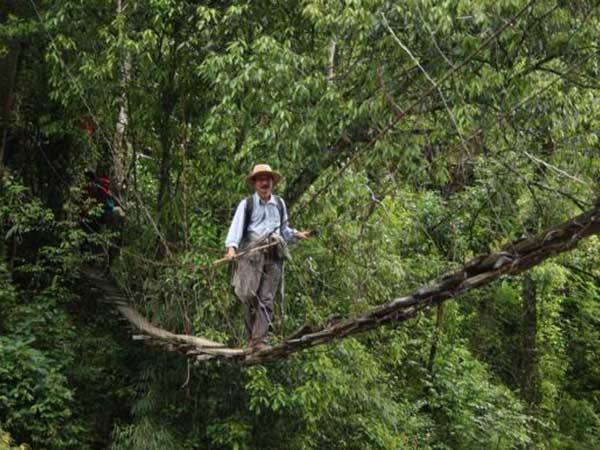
x=435, y=87
x=413, y=106
x=78, y=87
x=354, y=158
x=503, y=118
x=103, y=135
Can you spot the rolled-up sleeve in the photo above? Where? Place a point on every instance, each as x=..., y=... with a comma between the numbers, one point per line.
x=236, y=229
x=288, y=233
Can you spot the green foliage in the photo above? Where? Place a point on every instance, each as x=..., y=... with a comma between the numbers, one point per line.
x=41, y=349
x=338, y=398
x=36, y=401
x=145, y=434
x=472, y=410
x=579, y=423
x=6, y=442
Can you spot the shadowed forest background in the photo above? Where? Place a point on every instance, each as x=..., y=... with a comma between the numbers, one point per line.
x=412, y=135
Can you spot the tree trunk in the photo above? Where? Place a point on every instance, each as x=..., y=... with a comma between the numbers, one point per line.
x=331, y=67
x=168, y=101
x=120, y=143
x=8, y=72
x=529, y=358
x=435, y=337
x=164, y=175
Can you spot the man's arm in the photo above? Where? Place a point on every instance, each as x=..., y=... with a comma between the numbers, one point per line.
x=236, y=230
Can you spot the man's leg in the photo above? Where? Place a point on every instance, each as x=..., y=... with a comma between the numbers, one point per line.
x=245, y=279
x=266, y=294
x=249, y=308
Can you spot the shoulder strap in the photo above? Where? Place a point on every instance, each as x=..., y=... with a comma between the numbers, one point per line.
x=250, y=207
x=248, y=213
x=281, y=211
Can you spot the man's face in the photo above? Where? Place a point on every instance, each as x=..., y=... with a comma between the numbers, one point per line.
x=263, y=185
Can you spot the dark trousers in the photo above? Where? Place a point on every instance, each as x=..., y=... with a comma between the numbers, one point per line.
x=258, y=311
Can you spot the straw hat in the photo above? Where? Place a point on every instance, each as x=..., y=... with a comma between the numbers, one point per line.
x=261, y=169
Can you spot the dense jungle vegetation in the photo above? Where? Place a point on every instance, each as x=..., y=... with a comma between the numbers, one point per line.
x=413, y=135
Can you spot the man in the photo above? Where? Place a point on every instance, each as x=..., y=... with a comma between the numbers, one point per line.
x=260, y=220
x=112, y=218
x=99, y=190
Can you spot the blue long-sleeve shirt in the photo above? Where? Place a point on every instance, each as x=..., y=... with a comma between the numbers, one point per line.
x=265, y=219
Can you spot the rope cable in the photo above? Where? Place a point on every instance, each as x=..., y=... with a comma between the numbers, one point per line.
x=412, y=107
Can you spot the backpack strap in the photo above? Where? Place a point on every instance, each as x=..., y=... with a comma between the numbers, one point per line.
x=248, y=214
x=250, y=207
x=281, y=211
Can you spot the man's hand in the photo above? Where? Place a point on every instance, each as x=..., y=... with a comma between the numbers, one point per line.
x=302, y=235
x=230, y=253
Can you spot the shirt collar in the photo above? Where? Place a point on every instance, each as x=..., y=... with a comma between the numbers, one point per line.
x=260, y=201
